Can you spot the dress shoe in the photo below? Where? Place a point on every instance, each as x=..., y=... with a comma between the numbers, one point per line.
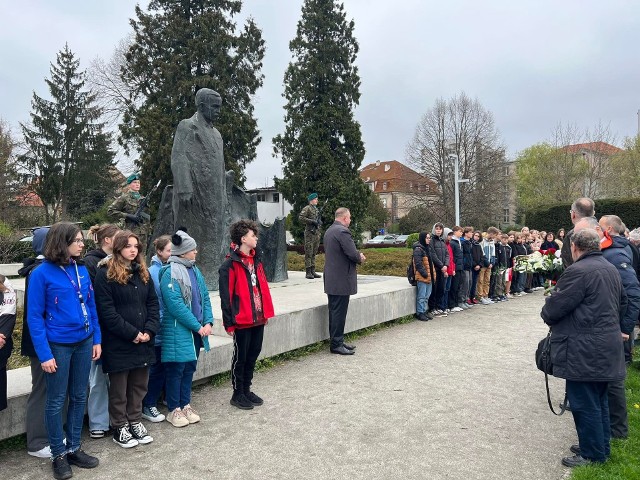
x=575, y=461
x=349, y=346
x=341, y=350
x=575, y=449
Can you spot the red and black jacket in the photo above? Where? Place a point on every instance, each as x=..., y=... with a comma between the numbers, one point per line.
x=236, y=296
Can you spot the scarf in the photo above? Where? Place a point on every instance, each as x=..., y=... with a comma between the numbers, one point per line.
x=180, y=274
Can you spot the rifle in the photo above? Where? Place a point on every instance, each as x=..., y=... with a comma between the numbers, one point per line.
x=315, y=228
x=144, y=203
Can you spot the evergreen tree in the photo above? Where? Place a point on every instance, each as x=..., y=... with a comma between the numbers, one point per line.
x=179, y=47
x=321, y=148
x=66, y=149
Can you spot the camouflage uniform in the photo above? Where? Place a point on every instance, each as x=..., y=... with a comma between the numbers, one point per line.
x=309, y=216
x=128, y=203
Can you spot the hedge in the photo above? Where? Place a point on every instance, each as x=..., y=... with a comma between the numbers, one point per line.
x=555, y=217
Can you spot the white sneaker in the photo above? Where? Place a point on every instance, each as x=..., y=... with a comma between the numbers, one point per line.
x=485, y=301
x=191, y=414
x=177, y=418
x=456, y=309
x=44, y=452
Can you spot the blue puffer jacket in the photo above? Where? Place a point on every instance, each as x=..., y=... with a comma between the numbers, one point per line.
x=178, y=322
x=154, y=273
x=620, y=255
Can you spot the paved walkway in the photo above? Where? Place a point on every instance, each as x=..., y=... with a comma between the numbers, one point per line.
x=453, y=398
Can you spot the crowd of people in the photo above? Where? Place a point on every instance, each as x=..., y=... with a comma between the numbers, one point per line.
x=108, y=334
x=459, y=267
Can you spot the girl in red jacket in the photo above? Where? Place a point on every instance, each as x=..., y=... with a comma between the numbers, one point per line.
x=246, y=307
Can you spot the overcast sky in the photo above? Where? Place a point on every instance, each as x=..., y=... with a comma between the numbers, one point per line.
x=533, y=63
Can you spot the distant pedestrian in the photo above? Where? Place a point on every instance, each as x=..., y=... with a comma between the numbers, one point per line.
x=340, y=277
x=310, y=217
x=246, y=309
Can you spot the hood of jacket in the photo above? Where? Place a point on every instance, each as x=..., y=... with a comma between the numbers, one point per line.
x=98, y=253
x=433, y=229
x=39, y=238
x=155, y=261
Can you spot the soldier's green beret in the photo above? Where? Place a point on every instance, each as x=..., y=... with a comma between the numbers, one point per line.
x=312, y=196
x=132, y=177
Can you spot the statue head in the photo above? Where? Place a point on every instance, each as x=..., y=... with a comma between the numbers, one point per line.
x=208, y=103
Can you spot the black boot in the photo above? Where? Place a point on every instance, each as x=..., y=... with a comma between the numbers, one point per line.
x=61, y=468
x=313, y=272
x=309, y=274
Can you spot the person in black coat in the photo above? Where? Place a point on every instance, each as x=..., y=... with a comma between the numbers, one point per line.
x=340, y=277
x=477, y=263
x=586, y=346
x=129, y=316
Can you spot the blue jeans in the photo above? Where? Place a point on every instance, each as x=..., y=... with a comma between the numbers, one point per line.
x=422, y=296
x=444, y=301
x=98, y=402
x=72, y=376
x=179, y=377
x=590, y=409
x=157, y=378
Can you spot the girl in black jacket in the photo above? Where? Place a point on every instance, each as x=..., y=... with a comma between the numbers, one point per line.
x=129, y=317
x=477, y=263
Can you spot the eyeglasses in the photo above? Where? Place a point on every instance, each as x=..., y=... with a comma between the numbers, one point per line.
x=78, y=241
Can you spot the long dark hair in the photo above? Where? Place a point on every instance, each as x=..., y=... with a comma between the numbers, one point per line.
x=117, y=269
x=60, y=237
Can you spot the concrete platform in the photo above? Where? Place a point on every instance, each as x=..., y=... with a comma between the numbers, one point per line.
x=301, y=319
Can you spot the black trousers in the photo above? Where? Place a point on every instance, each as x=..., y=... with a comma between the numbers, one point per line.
x=247, y=344
x=454, y=289
x=435, y=298
x=618, y=410
x=338, y=306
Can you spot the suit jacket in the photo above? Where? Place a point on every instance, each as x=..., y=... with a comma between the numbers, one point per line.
x=341, y=258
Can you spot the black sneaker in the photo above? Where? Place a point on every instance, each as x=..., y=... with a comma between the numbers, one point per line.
x=241, y=401
x=139, y=432
x=253, y=398
x=61, y=468
x=122, y=436
x=82, y=460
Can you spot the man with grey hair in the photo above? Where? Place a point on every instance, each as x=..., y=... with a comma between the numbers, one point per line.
x=583, y=207
x=340, y=277
x=584, y=315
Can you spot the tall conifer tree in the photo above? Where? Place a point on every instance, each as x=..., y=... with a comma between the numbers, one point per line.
x=66, y=148
x=179, y=47
x=321, y=148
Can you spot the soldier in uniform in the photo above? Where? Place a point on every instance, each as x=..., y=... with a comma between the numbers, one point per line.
x=123, y=211
x=310, y=216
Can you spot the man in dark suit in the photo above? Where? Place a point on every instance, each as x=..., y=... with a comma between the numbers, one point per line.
x=340, y=278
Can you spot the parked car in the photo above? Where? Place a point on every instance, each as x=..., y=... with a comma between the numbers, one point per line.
x=382, y=239
x=401, y=240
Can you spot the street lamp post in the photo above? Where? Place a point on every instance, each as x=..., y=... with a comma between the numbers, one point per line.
x=457, y=182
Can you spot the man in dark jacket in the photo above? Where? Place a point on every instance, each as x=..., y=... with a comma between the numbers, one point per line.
x=620, y=255
x=340, y=277
x=584, y=312
x=467, y=266
x=454, y=241
x=581, y=208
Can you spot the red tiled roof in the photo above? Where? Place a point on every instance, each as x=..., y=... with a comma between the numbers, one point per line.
x=596, y=147
x=27, y=198
x=397, y=176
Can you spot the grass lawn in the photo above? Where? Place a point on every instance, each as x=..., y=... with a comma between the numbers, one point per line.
x=624, y=463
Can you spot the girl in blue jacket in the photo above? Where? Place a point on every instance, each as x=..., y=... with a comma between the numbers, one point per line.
x=64, y=328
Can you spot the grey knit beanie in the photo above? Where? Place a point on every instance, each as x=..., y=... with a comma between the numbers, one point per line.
x=182, y=243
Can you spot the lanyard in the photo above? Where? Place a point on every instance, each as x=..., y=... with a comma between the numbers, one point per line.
x=77, y=287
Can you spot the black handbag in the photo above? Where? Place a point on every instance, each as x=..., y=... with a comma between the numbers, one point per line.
x=543, y=362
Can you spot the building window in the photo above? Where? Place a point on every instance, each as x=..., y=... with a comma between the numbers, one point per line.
x=371, y=185
x=384, y=202
x=261, y=197
x=276, y=197
x=506, y=217
x=384, y=186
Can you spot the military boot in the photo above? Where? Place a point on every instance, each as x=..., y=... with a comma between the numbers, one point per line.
x=309, y=274
x=313, y=272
